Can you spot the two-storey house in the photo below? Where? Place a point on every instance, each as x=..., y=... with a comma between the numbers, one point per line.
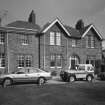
x=62, y=45
x=19, y=45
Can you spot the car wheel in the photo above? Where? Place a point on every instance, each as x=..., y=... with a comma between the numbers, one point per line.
x=7, y=82
x=41, y=81
x=89, y=78
x=71, y=79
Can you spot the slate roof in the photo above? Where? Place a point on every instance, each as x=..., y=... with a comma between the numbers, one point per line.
x=23, y=24
x=73, y=32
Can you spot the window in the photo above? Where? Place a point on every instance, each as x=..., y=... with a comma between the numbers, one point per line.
x=81, y=68
x=2, y=60
x=52, y=62
x=55, y=38
x=73, y=43
x=58, y=38
x=28, y=61
x=24, y=39
x=2, y=37
x=91, y=59
x=74, y=60
x=20, y=61
x=24, y=61
x=52, y=39
x=90, y=42
x=56, y=60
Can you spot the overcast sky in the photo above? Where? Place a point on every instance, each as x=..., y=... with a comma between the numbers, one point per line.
x=69, y=11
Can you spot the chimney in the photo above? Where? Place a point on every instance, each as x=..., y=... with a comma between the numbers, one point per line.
x=79, y=25
x=32, y=18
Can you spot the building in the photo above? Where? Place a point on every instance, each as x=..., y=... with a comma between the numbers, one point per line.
x=62, y=45
x=19, y=45
x=24, y=44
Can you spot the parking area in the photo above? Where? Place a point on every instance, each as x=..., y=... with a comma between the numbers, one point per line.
x=55, y=92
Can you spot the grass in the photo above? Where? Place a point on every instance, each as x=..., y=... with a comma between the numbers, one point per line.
x=50, y=94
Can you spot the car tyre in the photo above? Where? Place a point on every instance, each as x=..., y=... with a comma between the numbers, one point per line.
x=41, y=81
x=71, y=79
x=89, y=78
x=7, y=82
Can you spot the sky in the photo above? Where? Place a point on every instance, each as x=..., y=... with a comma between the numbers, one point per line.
x=69, y=11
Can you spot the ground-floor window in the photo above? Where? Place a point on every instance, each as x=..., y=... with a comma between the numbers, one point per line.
x=55, y=60
x=2, y=60
x=91, y=59
x=74, y=60
x=24, y=60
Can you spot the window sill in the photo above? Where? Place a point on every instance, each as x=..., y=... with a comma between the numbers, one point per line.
x=24, y=44
x=59, y=67
x=2, y=67
x=52, y=67
x=20, y=67
x=1, y=43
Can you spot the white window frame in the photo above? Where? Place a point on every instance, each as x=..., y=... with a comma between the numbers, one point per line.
x=59, y=57
x=52, y=38
x=52, y=57
x=2, y=37
x=24, y=39
x=73, y=43
x=2, y=57
x=58, y=38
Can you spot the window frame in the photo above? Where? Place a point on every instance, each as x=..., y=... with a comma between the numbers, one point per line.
x=73, y=42
x=2, y=60
x=22, y=60
x=2, y=37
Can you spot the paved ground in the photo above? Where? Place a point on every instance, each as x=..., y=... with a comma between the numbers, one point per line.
x=55, y=92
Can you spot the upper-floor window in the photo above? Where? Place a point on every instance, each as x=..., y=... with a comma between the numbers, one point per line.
x=2, y=37
x=90, y=42
x=55, y=38
x=73, y=43
x=24, y=39
x=58, y=38
x=52, y=38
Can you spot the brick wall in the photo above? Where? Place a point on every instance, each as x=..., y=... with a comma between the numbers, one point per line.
x=15, y=48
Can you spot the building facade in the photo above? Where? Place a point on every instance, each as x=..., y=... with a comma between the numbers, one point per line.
x=63, y=45
x=55, y=46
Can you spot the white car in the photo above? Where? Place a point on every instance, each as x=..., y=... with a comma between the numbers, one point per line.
x=81, y=71
x=25, y=75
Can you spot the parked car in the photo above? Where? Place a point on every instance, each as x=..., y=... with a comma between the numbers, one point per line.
x=25, y=75
x=81, y=71
x=101, y=74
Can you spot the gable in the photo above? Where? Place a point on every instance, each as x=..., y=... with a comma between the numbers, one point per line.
x=92, y=31
x=57, y=21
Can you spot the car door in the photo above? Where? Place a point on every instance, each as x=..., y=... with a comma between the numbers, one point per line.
x=33, y=74
x=20, y=76
x=80, y=73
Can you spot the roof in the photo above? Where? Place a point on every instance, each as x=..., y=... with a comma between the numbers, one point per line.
x=73, y=32
x=87, y=29
x=48, y=26
x=24, y=25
